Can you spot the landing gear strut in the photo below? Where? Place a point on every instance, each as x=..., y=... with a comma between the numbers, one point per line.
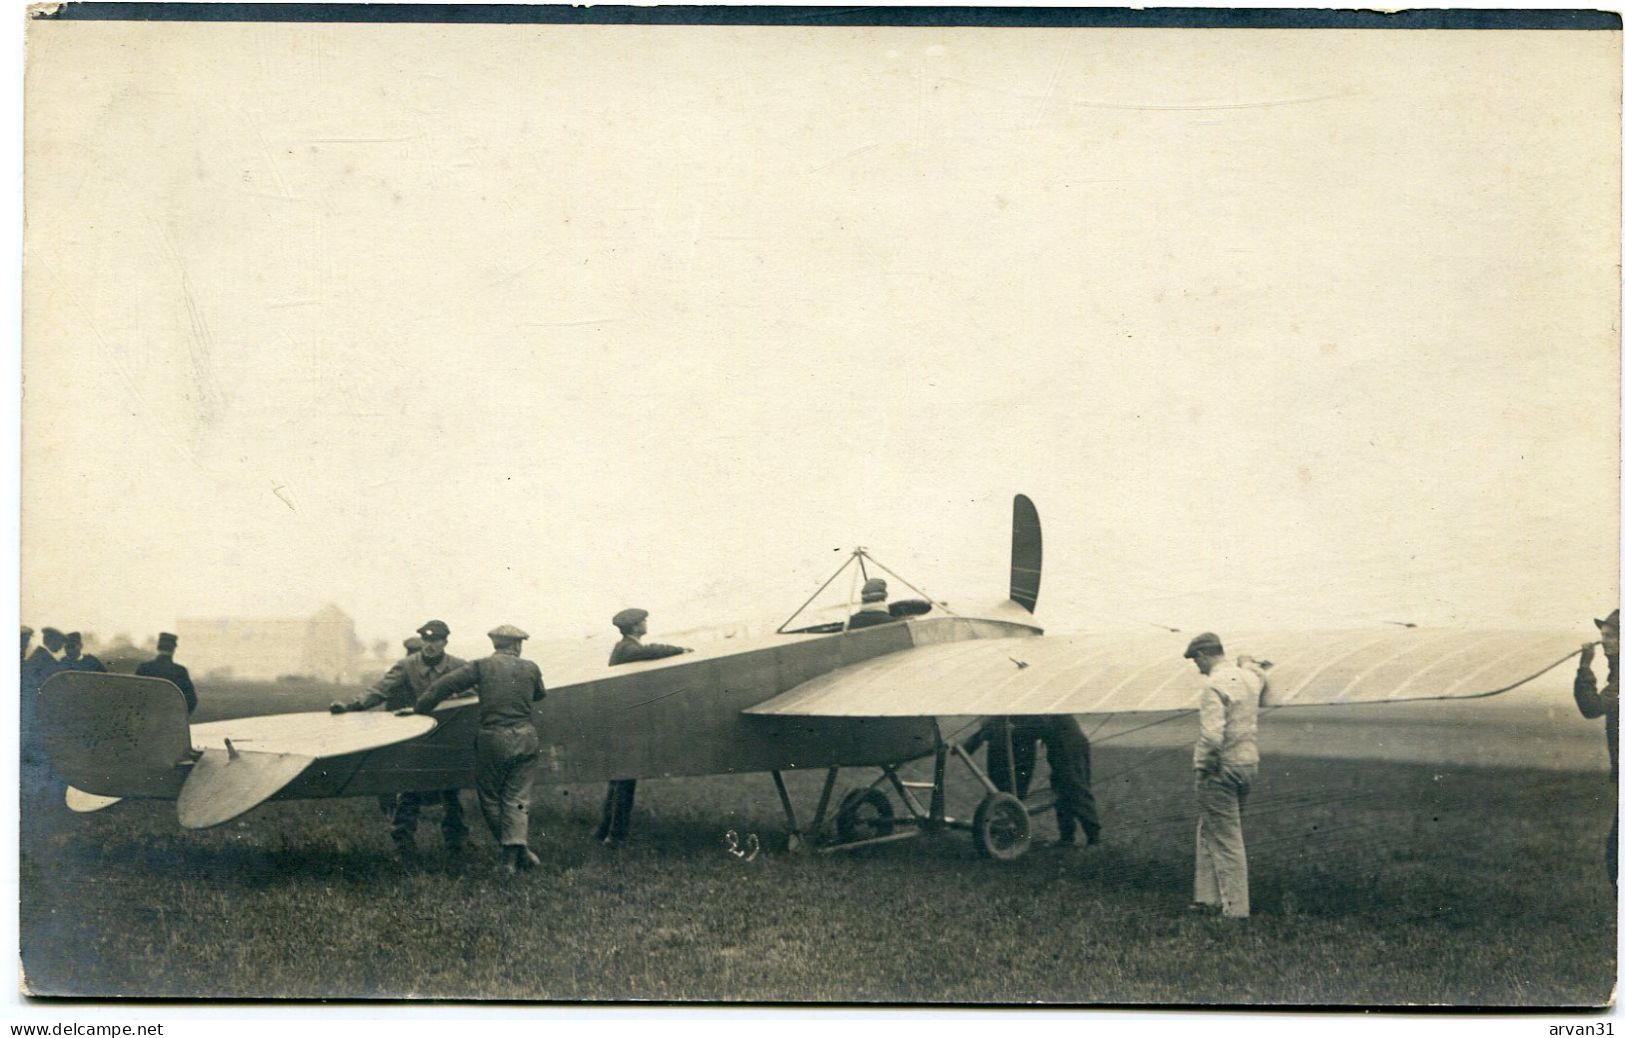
x=865, y=817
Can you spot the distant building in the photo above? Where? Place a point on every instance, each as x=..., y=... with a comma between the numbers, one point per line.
x=323, y=647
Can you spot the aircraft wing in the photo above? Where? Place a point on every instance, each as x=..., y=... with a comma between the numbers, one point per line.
x=1109, y=674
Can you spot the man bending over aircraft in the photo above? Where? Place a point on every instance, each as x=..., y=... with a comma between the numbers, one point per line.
x=1605, y=704
x=507, y=747
x=398, y=690
x=633, y=625
x=1067, y=750
x=1226, y=764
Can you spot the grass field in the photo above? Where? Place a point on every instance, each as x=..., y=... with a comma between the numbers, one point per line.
x=1374, y=882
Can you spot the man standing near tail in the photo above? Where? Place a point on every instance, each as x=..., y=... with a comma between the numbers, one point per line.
x=398, y=690
x=1226, y=765
x=507, y=748
x=633, y=625
x=1605, y=704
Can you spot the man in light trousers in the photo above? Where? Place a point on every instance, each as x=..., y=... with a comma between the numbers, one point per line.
x=507, y=748
x=1226, y=765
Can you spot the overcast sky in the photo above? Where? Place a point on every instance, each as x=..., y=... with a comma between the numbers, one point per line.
x=526, y=324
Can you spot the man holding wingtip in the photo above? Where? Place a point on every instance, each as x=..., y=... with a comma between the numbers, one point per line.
x=398, y=690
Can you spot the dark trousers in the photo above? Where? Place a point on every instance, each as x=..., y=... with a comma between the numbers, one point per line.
x=408, y=806
x=617, y=810
x=1066, y=749
x=1010, y=763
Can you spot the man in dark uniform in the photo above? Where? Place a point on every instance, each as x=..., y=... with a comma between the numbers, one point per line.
x=874, y=610
x=508, y=748
x=37, y=668
x=399, y=690
x=164, y=666
x=45, y=660
x=1067, y=750
x=28, y=636
x=74, y=658
x=1604, y=704
x=633, y=625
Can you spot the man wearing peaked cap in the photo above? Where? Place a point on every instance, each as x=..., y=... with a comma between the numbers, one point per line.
x=164, y=666
x=1226, y=765
x=507, y=747
x=1605, y=704
x=399, y=689
x=874, y=610
x=622, y=793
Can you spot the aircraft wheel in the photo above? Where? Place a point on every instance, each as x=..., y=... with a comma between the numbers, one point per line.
x=1002, y=829
x=863, y=815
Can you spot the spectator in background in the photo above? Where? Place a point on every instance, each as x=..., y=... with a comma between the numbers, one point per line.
x=164, y=666
x=74, y=657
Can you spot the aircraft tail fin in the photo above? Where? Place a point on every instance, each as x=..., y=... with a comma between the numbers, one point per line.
x=1026, y=554
x=115, y=735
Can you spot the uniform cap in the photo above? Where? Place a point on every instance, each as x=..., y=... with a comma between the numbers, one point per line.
x=507, y=632
x=874, y=589
x=1206, y=642
x=1612, y=620
x=52, y=630
x=435, y=630
x=629, y=618
x=27, y=629
x=167, y=641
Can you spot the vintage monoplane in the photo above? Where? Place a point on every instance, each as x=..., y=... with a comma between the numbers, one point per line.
x=822, y=695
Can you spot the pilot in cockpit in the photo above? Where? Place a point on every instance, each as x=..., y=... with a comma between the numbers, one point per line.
x=874, y=609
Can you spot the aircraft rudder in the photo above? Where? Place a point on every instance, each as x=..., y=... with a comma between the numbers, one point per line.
x=1026, y=553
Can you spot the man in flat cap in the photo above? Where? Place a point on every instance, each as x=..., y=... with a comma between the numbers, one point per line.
x=1226, y=764
x=399, y=689
x=1605, y=704
x=874, y=610
x=633, y=625
x=74, y=656
x=164, y=666
x=507, y=747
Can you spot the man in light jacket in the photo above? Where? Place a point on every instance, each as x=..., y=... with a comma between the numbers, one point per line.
x=1226, y=765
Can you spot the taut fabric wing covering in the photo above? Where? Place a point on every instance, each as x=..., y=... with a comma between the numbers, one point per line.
x=1109, y=674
